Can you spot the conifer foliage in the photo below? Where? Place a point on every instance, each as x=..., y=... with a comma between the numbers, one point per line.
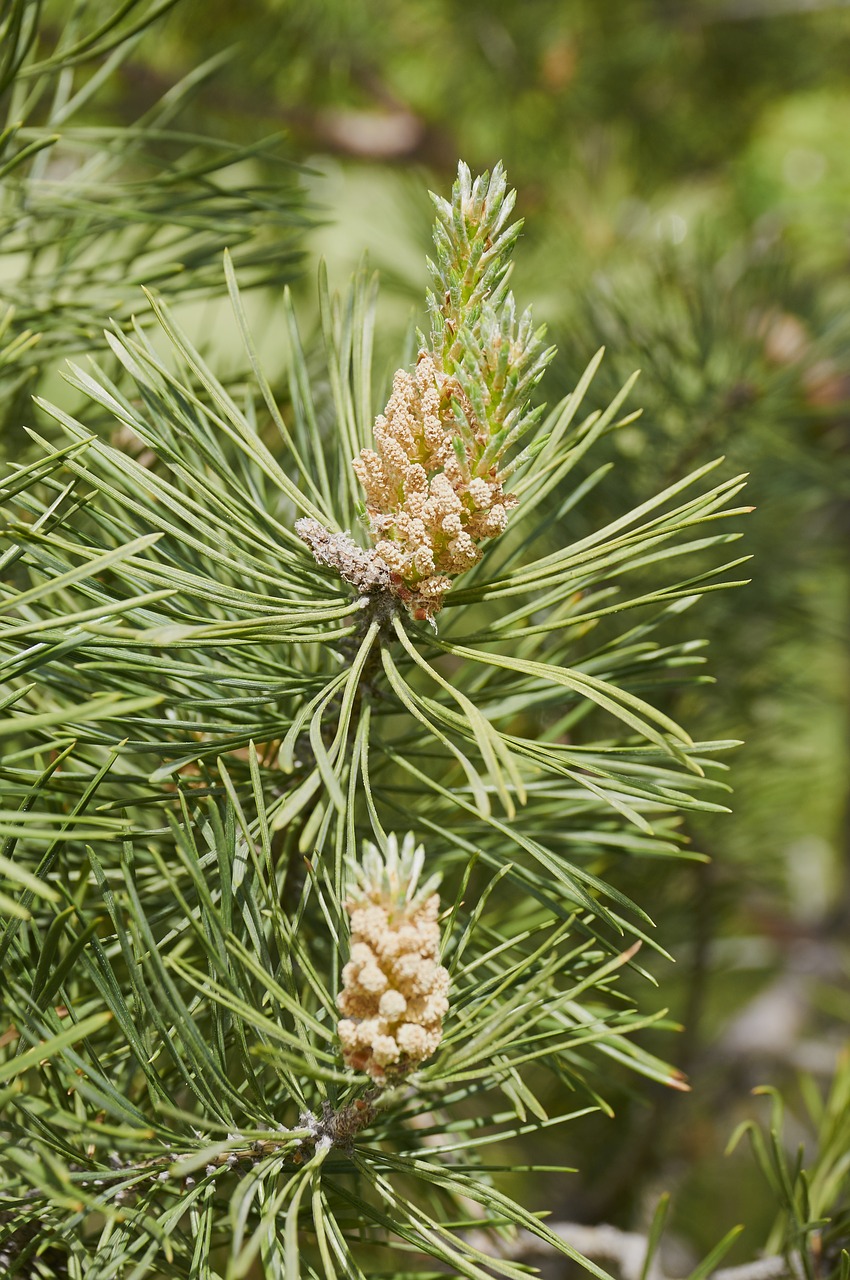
x=89, y=213
x=245, y=654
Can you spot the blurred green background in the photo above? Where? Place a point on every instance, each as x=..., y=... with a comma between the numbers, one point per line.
x=685, y=176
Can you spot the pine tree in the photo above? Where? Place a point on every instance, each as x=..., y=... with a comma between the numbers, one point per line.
x=219, y=690
x=325, y=705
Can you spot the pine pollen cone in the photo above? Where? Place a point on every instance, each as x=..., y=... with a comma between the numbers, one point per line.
x=395, y=993
x=428, y=508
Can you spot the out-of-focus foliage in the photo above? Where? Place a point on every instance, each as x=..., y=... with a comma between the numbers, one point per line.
x=680, y=87
x=94, y=207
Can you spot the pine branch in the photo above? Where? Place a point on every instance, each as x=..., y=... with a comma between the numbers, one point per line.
x=218, y=696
